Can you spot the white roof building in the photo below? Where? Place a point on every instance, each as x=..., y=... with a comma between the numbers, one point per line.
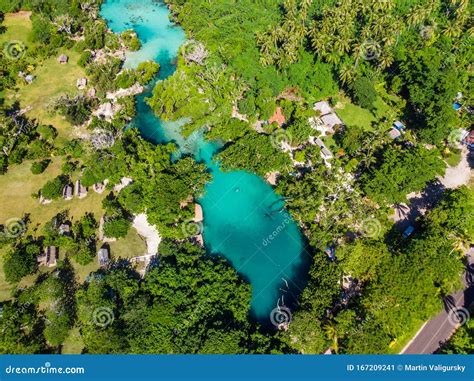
x=331, y=120
x=323, y=107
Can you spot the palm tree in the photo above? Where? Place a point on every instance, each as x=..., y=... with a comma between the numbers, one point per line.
x=333, y=335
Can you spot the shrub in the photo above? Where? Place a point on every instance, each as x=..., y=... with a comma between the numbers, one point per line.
x=39, y=167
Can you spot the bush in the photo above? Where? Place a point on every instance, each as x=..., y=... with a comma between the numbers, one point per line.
x=39, y=167
x=84, y=58
x=53, y=189
x=117, y=227
x=363, y=93
x=20, y=262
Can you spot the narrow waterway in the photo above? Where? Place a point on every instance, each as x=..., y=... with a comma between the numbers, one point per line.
x=244, y=219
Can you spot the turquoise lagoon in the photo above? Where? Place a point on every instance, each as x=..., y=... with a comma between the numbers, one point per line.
x=244, y=219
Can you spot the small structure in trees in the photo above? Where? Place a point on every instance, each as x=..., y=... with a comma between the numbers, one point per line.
x=41, y=259
x=394, y=133
x=278, y=117
x=80, y=190
x=65, y=228
x=51, y=256
x=63, y=59
x=67, y=192
x=323, y=107
x=331, y=120
x=91, y=93
x=29, y=78
x=103, y=257
x=399, y=125
x=99, y=188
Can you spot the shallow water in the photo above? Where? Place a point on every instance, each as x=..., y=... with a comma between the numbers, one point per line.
x=244, y=218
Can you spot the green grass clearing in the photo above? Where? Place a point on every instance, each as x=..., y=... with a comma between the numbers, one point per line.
x=18, y=28
x=133, y=245
x=18, y=184
x=353, y=115
x=51, y=81
x=73, y=344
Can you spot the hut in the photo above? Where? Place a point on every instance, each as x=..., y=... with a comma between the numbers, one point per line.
x=67, y=192
x=80, y=190
x=103, y=257
x=394, y=133
x=65, y=228
x=331, y=120
x=99, y=188
x=399, y=125
x=41, y=259
x=63, y=59
x=51, y=256
x=81, y=83
x=29, y=78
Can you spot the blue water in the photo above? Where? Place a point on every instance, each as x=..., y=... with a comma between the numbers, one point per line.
x=244, y=219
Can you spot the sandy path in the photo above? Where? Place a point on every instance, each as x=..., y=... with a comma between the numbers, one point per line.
x=147, y=231
x=458, y=175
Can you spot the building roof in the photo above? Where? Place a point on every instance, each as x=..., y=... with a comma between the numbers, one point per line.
x=470, y=137
x=323, y=107
x=331, y=120
x=63, y=58
x=67, y=191
x=64, y=228
x=399, y=125
x=103, y=256
x=51, y=256
x=278, y=117
x=394, y=133
x=81, y=82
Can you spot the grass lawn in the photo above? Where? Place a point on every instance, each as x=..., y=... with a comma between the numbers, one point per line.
x=132, y=245
x=402, y=341
x=353, y=115
x=18, y=28
x=7, y=288
x=17, y=186
x=51, y=78
x=51, y=81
